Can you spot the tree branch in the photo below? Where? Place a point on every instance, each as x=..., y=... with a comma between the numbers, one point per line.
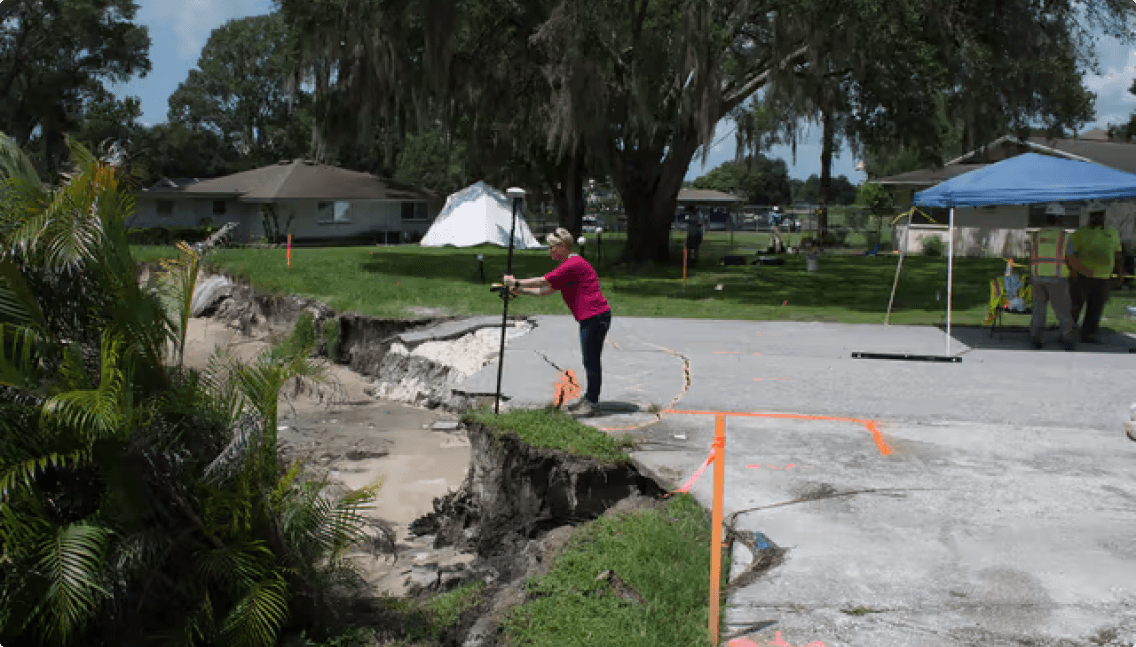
x=736, y=97
x=639, y=18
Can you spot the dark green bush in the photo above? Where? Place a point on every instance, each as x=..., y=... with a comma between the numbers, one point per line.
x=167, y=235
x=330, y=334
x=933, y=246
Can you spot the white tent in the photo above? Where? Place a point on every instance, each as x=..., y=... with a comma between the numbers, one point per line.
x=476, y=215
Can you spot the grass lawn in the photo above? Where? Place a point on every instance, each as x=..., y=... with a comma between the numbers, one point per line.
x=662, y=554
x=392, y=282
x=554, y=429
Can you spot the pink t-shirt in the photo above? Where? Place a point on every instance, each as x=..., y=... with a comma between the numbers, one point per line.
x=579, y=286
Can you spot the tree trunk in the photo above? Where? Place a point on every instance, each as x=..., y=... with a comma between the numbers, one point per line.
x=648, y=181
x=568, y=191
x=565, y=181
x=827, y=146
x=648, y=225
x=560, y=199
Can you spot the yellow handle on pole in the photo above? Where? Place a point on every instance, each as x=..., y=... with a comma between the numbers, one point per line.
x=716, y=527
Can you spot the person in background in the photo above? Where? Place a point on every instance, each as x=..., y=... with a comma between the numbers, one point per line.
x=1051, y=251
x=775, y=219
x=579, y=284
x=693, y=232
x=1098, y=247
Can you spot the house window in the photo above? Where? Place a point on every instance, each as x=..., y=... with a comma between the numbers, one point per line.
x=333, y=213
x=414, y=211
x=165, y=207
x=219, y=207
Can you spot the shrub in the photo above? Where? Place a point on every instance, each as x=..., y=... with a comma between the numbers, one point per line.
x=835, y=237
x=330, y=334
x=301, y=341
x=167, y=235
x=933, y=246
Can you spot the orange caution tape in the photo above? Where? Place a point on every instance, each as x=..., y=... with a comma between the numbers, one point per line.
x=871, y=425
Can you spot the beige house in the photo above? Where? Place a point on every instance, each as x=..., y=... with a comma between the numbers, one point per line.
x=1003, y=230
x=314, y=202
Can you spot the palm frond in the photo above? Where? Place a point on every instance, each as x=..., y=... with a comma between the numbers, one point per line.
x=25, y=218
x=237, y=565
x=19, y=361
x=222, y=398
x=18, y=304
x=72, y=561
x=232, y=459
x=21, y=474
x=257, y=618
x=73, y=231
x=181, y=279
x=15, y=164
x=142, y=550
x=81, y=158
x=101, y=411
x=72, y=371
x=315, y=525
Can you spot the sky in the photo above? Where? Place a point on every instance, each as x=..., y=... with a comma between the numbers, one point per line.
x=179, y=29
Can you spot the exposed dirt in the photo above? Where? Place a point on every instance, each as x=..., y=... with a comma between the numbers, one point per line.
x=498, y=511
x=514, y=492
x=340, y=431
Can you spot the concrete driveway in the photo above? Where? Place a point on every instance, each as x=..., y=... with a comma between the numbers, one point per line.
x=990, y=501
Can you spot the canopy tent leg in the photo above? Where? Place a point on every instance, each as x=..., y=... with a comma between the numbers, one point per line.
x=950, y=273
x=899, y=267
x=950, y=270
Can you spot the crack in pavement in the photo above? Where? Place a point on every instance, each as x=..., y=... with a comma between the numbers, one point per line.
x=550, y=362
x=659, y=414
x=894, y=492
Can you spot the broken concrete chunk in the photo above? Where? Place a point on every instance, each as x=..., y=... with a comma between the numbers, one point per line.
x=445, y=425
x=208, y=293
x=421, y=579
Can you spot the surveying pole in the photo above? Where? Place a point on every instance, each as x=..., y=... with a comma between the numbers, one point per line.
x=518, y=197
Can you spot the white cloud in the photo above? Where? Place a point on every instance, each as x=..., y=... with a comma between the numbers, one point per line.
x=193, y=20
x=1118, y=69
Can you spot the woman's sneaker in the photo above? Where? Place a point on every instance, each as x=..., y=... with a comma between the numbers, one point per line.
x=581, y=408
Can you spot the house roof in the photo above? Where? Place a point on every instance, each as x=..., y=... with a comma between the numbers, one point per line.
x=930, y=176
x=307, y=179
x=1118, y=155
x=171, y=184
x=1093, y=146
x=706, y=196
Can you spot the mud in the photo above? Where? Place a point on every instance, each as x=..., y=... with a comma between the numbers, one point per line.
x=455, y=504
x=514, y=492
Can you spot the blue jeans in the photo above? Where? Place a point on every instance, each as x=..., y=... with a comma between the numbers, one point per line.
x=593, y=331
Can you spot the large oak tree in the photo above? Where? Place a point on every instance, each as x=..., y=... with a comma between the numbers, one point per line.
x=240, y=92
x=635, y=89
x=55, y=57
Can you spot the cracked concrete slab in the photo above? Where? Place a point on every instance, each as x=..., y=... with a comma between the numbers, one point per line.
x=636, y=383
x=448, y=330
x=969, y=533
x=1001, y=513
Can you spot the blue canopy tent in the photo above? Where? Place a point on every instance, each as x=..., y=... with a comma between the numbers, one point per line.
x=1028, y=178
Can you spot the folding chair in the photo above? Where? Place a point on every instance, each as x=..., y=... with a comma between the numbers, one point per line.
x=1009, y=294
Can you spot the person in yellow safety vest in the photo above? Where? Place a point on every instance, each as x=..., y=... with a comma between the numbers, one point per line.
x=1051, y=249
x=1098, y=247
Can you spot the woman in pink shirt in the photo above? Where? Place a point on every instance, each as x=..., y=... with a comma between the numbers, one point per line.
x=578, y=283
